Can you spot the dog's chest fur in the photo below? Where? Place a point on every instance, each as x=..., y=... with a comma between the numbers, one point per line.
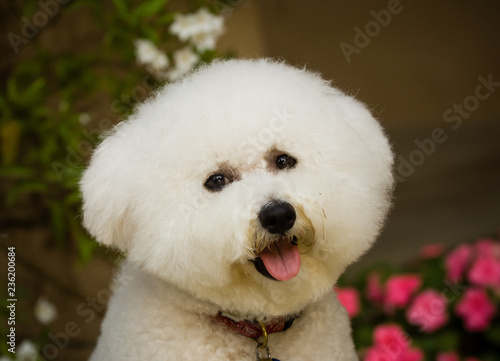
x=169, y=324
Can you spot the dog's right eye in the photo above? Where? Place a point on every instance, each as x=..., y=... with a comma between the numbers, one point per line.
x=216, y=182
x=284, y=161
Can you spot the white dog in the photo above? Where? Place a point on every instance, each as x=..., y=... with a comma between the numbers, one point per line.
x=239, y=195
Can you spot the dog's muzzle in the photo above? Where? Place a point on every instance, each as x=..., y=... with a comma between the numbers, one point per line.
x=280, y=258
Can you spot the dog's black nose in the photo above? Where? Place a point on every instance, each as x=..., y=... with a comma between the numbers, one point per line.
x=277, y=216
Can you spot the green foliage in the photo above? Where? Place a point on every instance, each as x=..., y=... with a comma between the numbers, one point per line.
x=46, y=103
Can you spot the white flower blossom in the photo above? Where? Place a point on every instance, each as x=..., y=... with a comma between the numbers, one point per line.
x=209, y=23
x=184, y=26
x=148, y=54
x=145, y=51
x=204, y=41
x=26, y=351
x=185, y=59
x=45, y=311
x=201, y=28
x=160, y=62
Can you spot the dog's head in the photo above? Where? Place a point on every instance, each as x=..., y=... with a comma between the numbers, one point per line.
x=249, y=184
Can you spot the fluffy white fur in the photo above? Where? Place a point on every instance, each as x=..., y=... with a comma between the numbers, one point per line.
x=189, y=250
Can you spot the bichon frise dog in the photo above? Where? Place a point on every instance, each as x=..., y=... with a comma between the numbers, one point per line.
x=239, y=195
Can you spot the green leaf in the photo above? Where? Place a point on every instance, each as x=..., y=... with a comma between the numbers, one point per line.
x=58, y=221
x=12, y=91
x=25, y=188
x=122, y=8
x=149, y=8
x=446, y=340
x=73, y=198
x=34, y=90
x=362, y=335
x=86, y=247
x=16, y=172
x=166, y=19
x=151, y=34
x=10, y=134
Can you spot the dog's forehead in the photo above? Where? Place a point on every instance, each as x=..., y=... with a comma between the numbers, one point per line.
x=243, y=133
x=240, y=115
x=238, y=112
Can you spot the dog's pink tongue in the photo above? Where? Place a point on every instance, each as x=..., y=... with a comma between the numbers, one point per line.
x=282, y=260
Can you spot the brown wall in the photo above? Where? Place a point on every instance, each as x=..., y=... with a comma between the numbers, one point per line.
x=426, y=59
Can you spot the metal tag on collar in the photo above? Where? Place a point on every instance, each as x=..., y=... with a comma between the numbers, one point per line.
x=263, y=346
x=268, y=355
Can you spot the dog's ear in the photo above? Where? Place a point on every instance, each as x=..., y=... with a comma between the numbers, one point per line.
x=107, y=191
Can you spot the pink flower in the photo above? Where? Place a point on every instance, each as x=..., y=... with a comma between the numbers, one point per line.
x=476, y=309
x=374, y=288
x=488, y=247
x=428, y=311
x=399, y=290
x=391, y=344
x=485, y=271
x=412, y=354
x=376, y=353
x=390, y=336
x=349, y=298
x=429, y=251
x=457, y=261
x=447, y=356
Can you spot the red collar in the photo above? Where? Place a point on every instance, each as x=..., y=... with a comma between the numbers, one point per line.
x=252, y=329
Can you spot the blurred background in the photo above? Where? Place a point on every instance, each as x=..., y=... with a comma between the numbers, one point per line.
x=429, y=70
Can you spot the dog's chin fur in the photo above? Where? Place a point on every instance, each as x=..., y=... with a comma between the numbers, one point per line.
x=144, y=192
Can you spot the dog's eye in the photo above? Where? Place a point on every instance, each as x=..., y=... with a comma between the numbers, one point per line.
x=284, y=161
x=216, y=182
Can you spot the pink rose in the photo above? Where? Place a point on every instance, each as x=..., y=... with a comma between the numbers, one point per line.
x=374, y=288
x=447, y=356
x=391, y=336
x=399, y=290
x=476, y=309
x=349, y=298
x=485, y=271
x=457, y=261
x=378, y=353
x=428, y=311
x=391, y=344
x=412, y=354
x=429, y=251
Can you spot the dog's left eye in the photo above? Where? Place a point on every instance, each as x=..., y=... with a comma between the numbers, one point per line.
x=284, y=161
x=216, y=182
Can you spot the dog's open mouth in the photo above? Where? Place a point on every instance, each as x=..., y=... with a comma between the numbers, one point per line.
x=280, y=261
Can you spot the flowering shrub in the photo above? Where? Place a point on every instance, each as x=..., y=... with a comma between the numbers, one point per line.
x=200, y=30
x=443, y=308
x=51, y=117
